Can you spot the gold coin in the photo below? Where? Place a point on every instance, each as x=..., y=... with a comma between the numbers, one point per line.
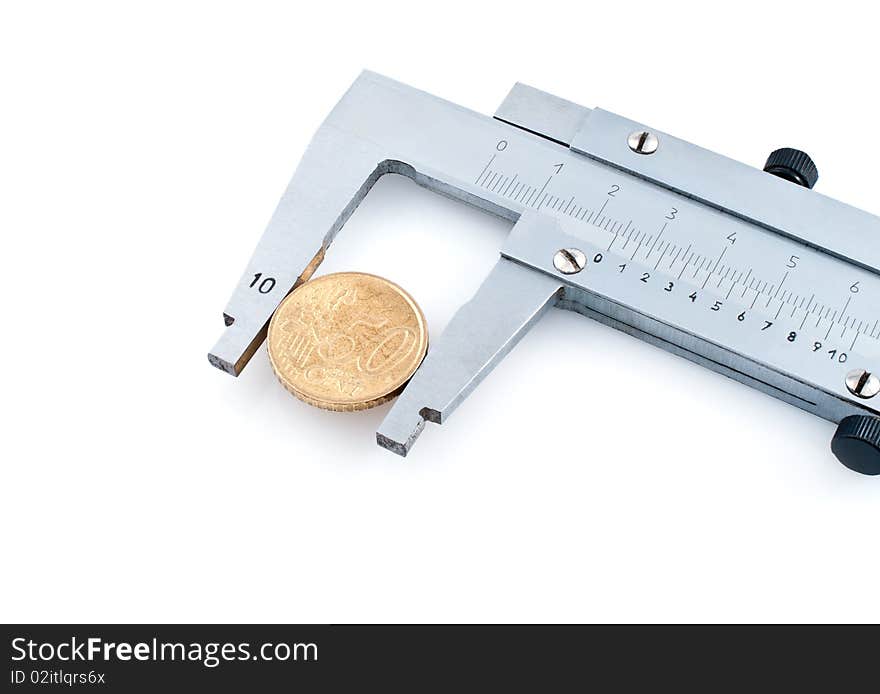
x=347, y=341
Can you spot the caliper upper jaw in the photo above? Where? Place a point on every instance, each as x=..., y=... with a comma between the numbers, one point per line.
x=379, y=126
x=335, y=174
x=508, y=303
x=337, y=171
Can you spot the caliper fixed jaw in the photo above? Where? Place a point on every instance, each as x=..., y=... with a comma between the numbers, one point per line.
x=336, y=172
x=509, y=302
x=379, y=126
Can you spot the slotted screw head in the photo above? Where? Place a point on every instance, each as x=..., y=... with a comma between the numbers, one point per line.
x=863, y=384
x=643, y=142
x=569, y=261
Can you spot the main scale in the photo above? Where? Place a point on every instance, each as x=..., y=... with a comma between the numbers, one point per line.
x=750, y=274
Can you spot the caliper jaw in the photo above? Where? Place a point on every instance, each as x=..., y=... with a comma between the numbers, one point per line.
x=379, y=126
x=509, y=302
x=335, y=174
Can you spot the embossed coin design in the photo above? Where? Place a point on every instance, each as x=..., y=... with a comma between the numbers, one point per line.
x=347, y=341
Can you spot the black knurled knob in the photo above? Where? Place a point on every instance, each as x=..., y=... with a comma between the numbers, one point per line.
x=793, y=165
x=857, y=444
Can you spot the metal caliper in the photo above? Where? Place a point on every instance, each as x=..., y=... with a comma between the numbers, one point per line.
x=749, y=273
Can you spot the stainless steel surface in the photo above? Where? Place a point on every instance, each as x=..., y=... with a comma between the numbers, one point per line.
x=542, y=113
x=863, y=383
x=643, y=142
x=738, y=189
x=771, y=284
x=480, y=334
x=569, y=261
x=698, y=311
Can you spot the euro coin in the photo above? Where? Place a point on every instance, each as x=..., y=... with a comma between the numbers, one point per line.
x=347, y=341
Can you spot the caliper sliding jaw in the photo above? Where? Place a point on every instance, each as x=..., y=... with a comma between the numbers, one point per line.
x=381, y=126
x=510, y=300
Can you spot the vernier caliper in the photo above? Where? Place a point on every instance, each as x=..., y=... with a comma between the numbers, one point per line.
x=749, y=273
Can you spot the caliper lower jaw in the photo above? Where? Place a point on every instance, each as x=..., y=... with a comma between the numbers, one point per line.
x=509, y=302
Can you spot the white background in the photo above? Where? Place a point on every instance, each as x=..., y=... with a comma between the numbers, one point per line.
x=590, y=478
